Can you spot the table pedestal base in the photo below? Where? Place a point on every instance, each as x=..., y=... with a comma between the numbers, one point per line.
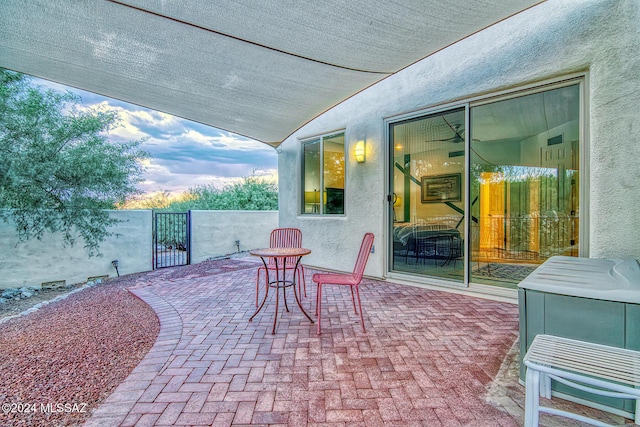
x=280, y=284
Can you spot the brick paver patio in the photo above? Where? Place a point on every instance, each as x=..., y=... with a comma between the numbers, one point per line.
x=428, y=358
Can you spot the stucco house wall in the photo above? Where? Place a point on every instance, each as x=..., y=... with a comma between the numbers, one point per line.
x=600, y=38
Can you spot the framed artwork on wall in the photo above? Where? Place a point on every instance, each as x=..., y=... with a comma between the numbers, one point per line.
x=441, y=188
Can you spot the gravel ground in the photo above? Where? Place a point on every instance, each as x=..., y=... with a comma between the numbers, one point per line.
x=57, y=364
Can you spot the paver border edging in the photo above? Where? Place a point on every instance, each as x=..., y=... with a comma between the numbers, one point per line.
x=114, y=410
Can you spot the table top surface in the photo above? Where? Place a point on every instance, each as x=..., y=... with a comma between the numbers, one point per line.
x=280, y=252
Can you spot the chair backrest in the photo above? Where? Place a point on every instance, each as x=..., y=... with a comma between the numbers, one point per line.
x=363, y=256
x=285, y=238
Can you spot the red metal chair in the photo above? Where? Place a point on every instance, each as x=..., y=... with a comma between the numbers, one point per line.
x=352, y=280
x=284, y=238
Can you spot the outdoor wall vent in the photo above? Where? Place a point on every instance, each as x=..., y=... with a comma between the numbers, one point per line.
x=56, y=284
x=555, y=140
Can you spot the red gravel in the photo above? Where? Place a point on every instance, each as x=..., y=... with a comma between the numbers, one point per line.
x=70, y=355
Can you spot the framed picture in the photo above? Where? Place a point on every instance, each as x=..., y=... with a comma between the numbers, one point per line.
x=441, y=188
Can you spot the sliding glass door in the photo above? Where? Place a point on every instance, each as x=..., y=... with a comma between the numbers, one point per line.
x=523, y=176
x=428, y=195
x=525, y=182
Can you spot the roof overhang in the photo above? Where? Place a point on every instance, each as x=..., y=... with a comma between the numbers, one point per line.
x=257, y=68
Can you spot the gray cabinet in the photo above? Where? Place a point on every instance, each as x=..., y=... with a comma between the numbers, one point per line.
x=583, y=299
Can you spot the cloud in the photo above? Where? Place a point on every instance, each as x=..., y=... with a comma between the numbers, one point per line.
x=183, y=153
x=194, y=173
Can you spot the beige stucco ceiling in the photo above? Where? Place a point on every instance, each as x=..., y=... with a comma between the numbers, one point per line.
x=257, y=68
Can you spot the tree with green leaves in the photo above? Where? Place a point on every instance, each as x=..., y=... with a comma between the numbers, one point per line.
x=251, y=194
x=59, y=172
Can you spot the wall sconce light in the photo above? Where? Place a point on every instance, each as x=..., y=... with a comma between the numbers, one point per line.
x=360, y=152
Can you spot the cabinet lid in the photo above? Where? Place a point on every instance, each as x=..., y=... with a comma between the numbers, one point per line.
x=597, y=278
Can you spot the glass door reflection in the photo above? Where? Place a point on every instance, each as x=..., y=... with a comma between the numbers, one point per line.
x=427, y=180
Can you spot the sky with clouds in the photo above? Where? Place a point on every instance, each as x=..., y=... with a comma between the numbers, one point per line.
x=183, y=154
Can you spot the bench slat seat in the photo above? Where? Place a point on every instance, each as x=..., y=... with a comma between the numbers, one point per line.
x=596, y=368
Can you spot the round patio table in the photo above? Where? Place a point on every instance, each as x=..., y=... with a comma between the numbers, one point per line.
x=280, y=255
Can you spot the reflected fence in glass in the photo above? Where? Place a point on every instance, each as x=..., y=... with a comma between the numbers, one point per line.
x=504, y=251
x=534, y=238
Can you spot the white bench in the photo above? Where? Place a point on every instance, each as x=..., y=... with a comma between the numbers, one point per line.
x=600, y=369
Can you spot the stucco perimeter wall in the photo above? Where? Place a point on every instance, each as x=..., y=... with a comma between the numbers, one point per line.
x=47, y=260
x=558, y=38
x=36, y=261
x=214, y=233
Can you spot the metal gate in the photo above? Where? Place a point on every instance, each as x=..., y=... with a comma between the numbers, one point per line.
x=171, y=239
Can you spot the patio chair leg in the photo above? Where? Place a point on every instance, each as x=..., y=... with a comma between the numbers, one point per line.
x=301, y=282
x=304, y=282
x=319, y=307
x=360, y=307
x=353, y=300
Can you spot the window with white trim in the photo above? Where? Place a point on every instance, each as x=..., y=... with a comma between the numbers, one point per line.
x=323, y=175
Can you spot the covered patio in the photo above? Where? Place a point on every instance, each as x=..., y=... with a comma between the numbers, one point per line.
x=428, y=358
x=287, y=76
